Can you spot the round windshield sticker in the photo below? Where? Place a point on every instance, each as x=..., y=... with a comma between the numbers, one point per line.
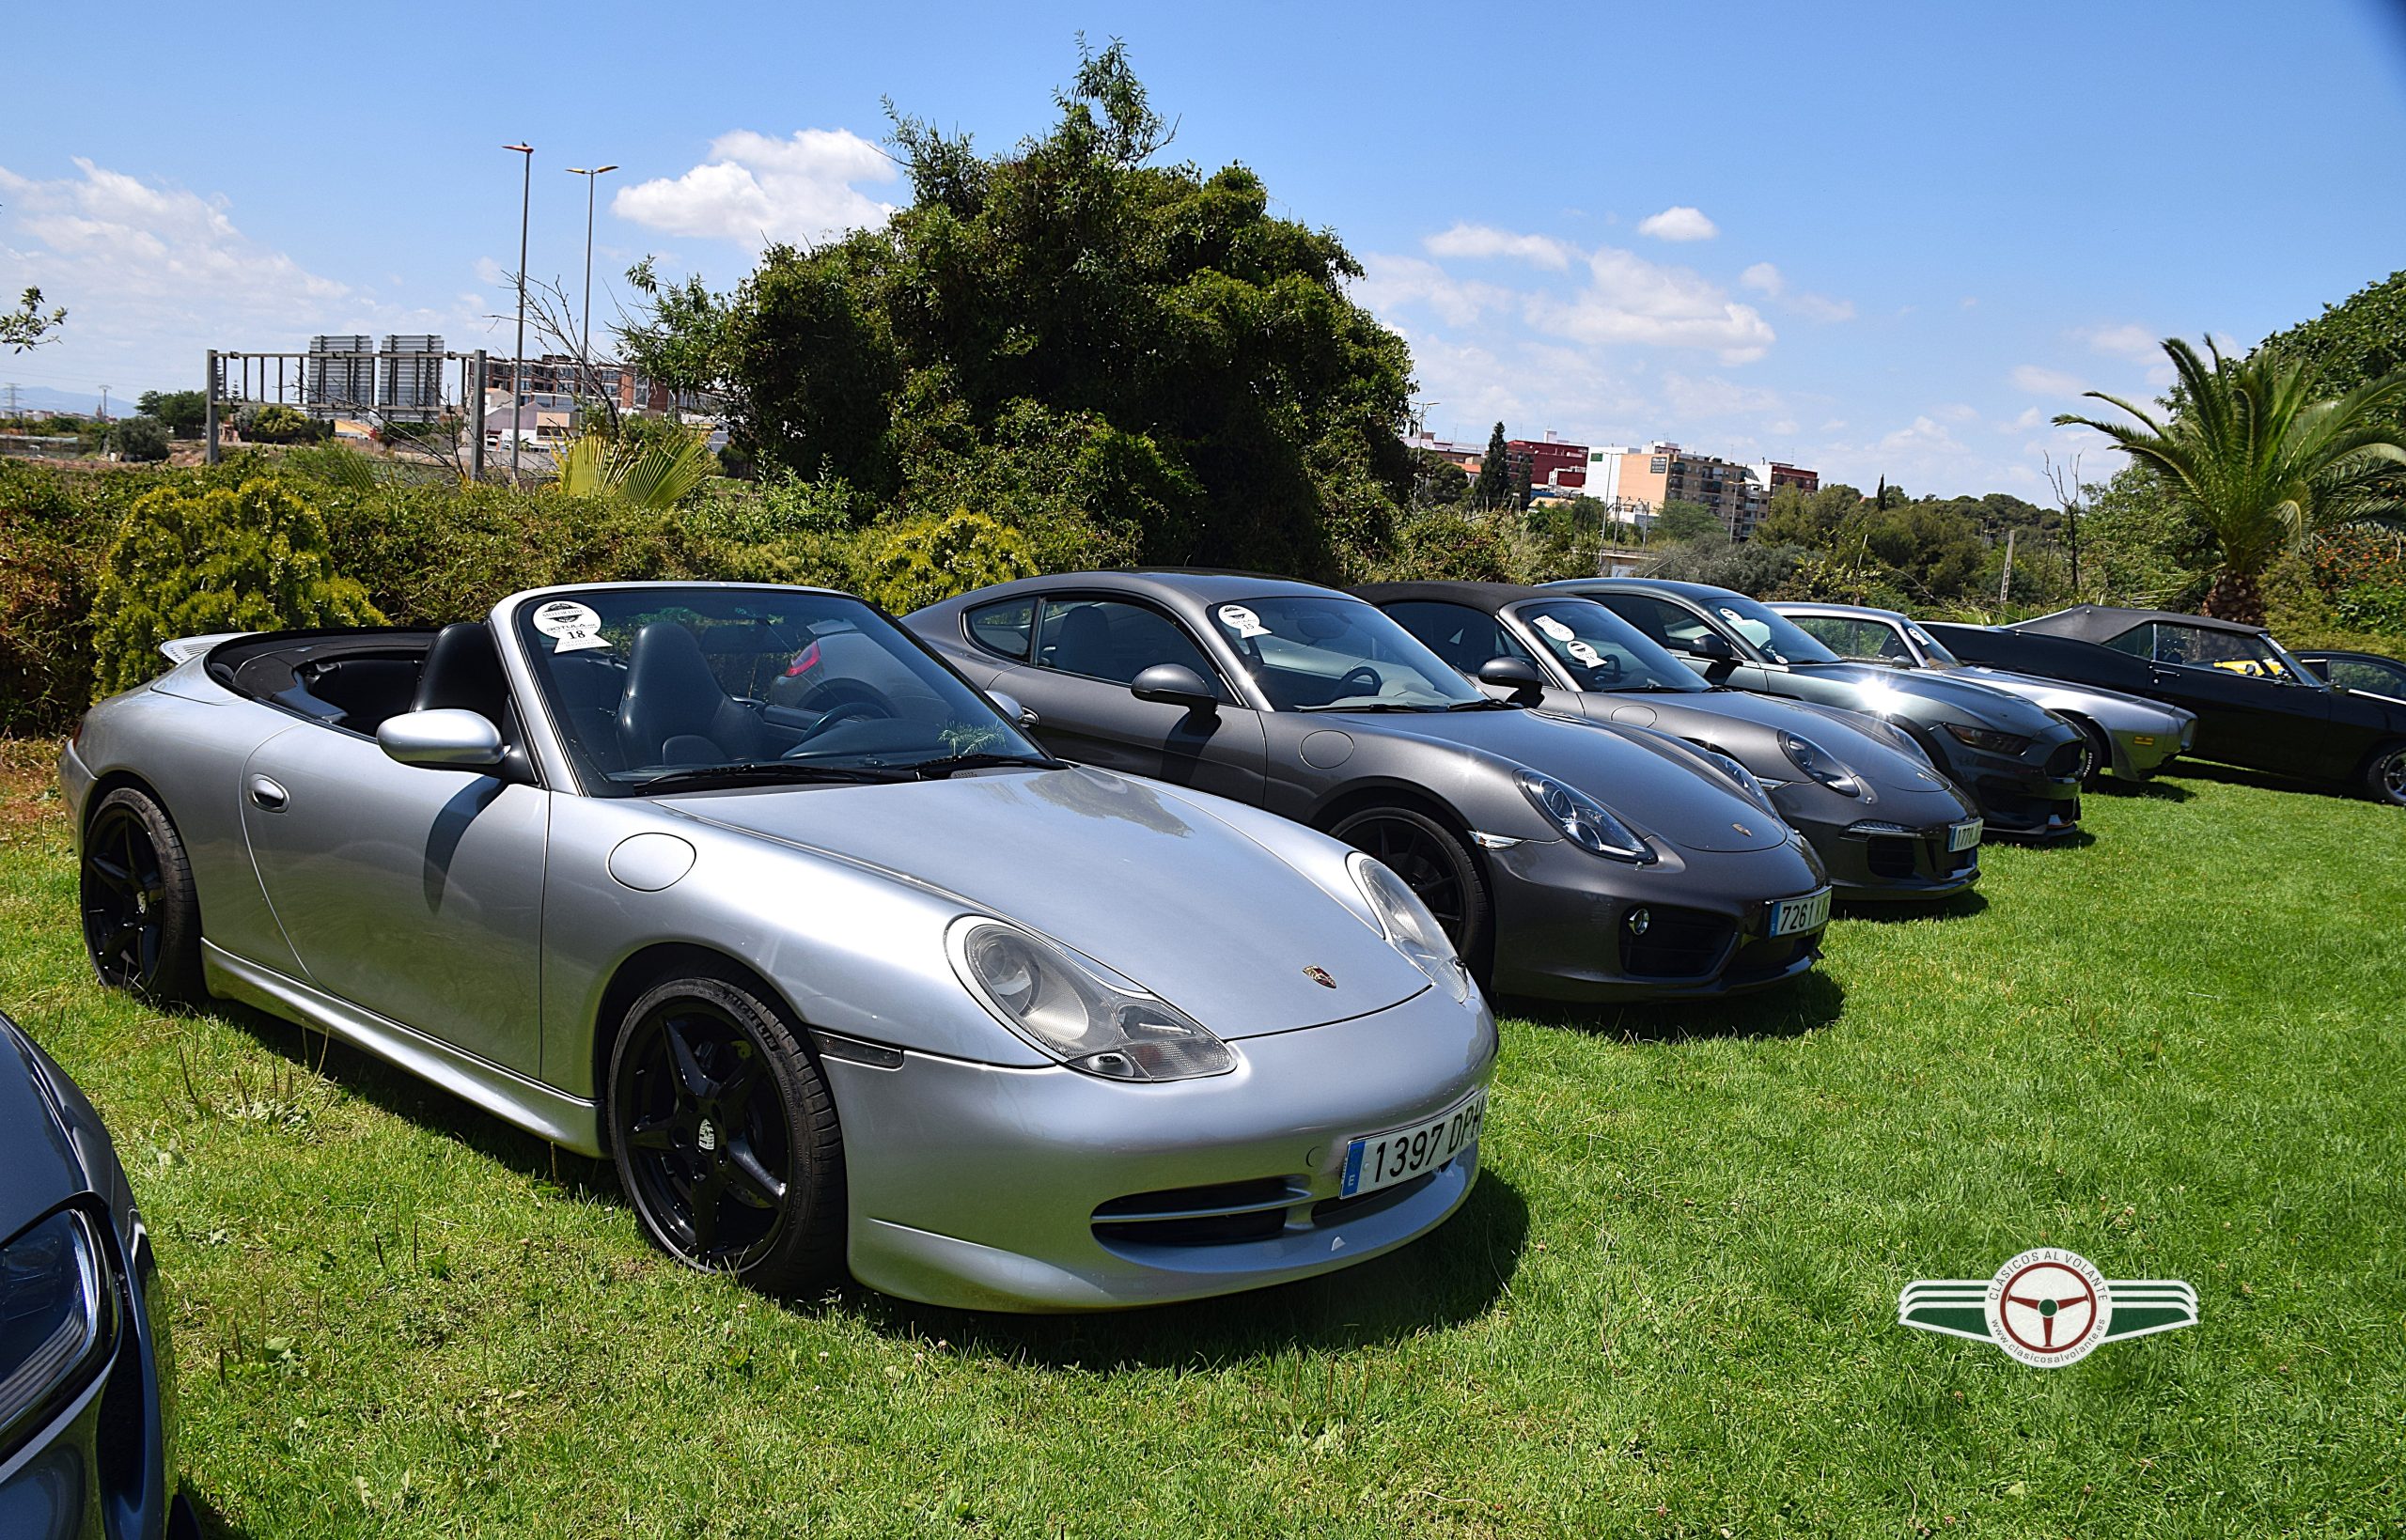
x=1582, y=653
x=572, y=627
x=1242, y=620
x=1554, y=629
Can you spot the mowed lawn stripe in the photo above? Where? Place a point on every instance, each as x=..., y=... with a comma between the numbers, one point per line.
x=1669, y=1307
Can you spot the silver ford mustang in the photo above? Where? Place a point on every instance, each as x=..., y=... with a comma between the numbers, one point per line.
x=744, y=888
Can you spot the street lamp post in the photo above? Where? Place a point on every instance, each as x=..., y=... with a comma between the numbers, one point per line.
x=585, y=348
x=518, y=363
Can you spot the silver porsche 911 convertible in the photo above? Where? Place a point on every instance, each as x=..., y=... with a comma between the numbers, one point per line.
x=741, y=887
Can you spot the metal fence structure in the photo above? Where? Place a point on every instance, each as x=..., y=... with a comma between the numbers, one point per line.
x=410, y=379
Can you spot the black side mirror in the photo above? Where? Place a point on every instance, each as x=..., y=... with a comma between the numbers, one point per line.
x=1516, y=674
x=1714, y=648
x=1175, y=684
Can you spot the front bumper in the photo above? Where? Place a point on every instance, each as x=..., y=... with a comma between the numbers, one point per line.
x=987, y=1188
x=2035, y=796
x=1564, y=924
x=2138, y=754
x=1891, y=848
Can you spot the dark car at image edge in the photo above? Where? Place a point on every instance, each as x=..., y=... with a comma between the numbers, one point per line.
x=86, y=1375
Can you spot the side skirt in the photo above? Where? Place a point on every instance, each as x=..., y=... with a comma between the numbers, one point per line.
x=571, y=1122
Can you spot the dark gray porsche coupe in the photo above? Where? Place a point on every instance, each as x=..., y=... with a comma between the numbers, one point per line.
x=1565, y=860
x=1882, y=820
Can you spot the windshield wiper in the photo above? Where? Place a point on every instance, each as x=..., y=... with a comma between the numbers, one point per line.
x=1378, y=707
x=1485, y=704
x=938, y=770
x=1652, y=687
x=772, y=773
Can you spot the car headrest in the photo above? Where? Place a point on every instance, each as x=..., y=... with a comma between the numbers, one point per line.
x=463, y=672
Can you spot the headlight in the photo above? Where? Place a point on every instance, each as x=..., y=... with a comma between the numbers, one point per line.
x=53, y=1314
x=1982, y=738
x=1582, y=820
x=1755, y=790
x=1060, y=1005
x=1410, y=929
x=1816, y=764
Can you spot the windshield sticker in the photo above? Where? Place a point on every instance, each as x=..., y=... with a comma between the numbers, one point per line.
x=1585, y=656
x=572, y=627
x=1554, y=629
x=1242, y=620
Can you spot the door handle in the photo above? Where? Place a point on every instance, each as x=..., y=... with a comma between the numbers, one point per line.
x=266, y=793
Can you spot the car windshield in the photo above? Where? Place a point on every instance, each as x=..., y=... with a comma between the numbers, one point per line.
x=1604, y=652
x=1767, y=631
x=1313, y=652
x=658, y=689
x=1932, y=648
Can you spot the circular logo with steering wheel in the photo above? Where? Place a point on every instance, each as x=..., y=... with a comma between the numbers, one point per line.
x=2049, y=1307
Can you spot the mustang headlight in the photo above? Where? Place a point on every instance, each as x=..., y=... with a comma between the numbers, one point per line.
x=1982, y=738
x=1410, y=929
x=54, y=1314
x=1747, y=781
x=1585, y=821
x=1060, y=1005
x=1816, y=764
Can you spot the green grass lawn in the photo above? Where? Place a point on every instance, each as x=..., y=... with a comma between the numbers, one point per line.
x=1669, y=1307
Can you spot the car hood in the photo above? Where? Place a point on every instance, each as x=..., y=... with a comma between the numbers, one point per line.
x=1982, y=704
x=1889, y=768
x=1152, y=888
x=1654, y=791
x=42, y=1163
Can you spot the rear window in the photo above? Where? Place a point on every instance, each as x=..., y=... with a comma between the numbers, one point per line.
x=1001, y=628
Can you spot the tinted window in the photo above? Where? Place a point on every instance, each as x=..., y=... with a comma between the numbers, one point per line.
x=1657, y=620
x=1850, y=637
x=1601, y=652
x=1113, y=639
x=1310, y=652
x=2358, y=673
x=2233, y=652
x=1767, y=631
x=2139, y=641
x=1460, y=635
x=1003, y=626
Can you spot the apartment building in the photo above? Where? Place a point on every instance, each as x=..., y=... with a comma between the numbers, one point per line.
x=1636, y=482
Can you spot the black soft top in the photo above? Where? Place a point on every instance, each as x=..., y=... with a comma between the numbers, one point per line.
x=2103, y=623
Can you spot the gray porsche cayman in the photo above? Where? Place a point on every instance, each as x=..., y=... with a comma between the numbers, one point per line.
x=740, y=886
x=1882, y=820
x=1566, y=860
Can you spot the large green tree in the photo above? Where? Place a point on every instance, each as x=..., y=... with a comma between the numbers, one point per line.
x=2260, y=462
x=1125, y=358
x=1493, y=488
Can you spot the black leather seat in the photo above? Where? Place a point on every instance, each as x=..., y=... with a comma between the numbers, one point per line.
x=463, y=673
x=674, y=711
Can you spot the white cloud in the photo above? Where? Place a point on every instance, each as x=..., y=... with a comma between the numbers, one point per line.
x=2133, y=342
x=1679, y=223
x=755, y=190
x=1767, y=280
x=1713, y=397
x=2044, y=381
x=1631, y=300
x=153, y=276
x=1475, y=241
x=1389, y=284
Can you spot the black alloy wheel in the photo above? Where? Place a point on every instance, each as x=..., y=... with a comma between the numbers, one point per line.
x=141, y=916
x=2385, y=776
x=725, y=1134
x=1434, y=863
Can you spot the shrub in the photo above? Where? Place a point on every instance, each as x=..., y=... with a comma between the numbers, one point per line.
x=1454, y=544
x=50, y=546
x=143, y=439
x=185, y=563
x=925, y=560
x=281, y=424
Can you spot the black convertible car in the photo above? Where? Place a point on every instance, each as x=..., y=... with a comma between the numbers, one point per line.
x=2258, y=707
x=2366, y=673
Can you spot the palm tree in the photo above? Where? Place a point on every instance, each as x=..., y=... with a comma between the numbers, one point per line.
x=2262, y=464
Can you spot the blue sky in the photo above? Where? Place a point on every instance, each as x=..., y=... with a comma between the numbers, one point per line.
x=1872, y=239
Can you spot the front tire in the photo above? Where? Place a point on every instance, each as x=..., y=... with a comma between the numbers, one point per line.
x=725, y=1135
x=2385, y=775
x=1435, y=865
x=141, y=914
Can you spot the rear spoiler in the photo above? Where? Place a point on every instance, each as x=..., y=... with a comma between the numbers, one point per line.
x=183, y=650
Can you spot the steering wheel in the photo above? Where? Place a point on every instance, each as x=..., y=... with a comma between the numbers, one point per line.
x=841, y=711
x=1362, y=672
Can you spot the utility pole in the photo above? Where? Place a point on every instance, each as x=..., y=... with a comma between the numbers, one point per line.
x=208, y=414
x=518, y=368
x=104, y=403
x=585, y=349
x=2005, y=582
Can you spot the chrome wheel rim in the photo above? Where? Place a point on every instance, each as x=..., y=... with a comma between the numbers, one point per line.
x=706, y=1140
x=2393, y=777
x=124, y=899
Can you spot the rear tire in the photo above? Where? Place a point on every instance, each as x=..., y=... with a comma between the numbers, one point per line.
x=1434, y=863
x=2385, y=774
x=141, y=914
x=725, y=1135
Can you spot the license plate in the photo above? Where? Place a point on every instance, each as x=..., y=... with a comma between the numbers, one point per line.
x=1382, y=1159
x=1792, y=916
x=1962, y=836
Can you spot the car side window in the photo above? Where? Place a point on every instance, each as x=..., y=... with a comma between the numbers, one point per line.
x=1851, y=637
x=2194, y=647
x=1835, y=632
x=1664, y=622
x=2373, y=679
x=1003, y=626
x=1463, y=636
x=1116, y=640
